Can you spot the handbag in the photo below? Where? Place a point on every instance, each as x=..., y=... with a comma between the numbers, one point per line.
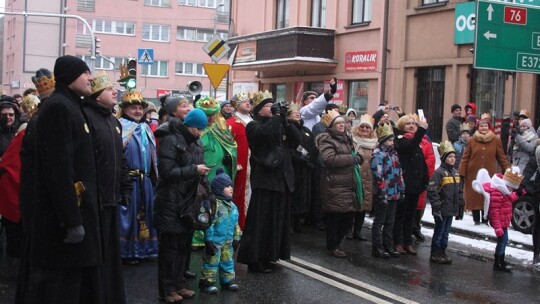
x=199, y=212
x=274, y=158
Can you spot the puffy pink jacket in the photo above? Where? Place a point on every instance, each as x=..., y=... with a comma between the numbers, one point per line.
x=500, y=207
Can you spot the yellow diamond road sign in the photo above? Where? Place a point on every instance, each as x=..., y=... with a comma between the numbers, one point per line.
x=216, y=48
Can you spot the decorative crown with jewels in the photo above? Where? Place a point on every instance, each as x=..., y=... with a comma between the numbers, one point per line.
x=101, y=82
x=44, y=82
x=446, y=148
x=512, y=177
x=133, y=98
x=239, y=98
x=293, y=107
x=329, y=117
x=384, y=131
x=464, y=127
x=260, y=96
x=485, y=116
x=208, y=105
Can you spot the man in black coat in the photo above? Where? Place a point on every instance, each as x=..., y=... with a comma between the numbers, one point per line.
x=9, y=123
x=65, y=245
x=266, y=236
x=114, y=184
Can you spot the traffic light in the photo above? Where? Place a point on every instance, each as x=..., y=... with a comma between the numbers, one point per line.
x=132, y=67
x=129, y=81
x=97, y=41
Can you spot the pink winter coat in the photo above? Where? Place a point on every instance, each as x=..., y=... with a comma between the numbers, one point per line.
x=500, y=207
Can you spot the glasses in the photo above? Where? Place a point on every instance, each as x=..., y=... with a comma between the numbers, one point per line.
x=364, y=127
x=8, y=114
x=268, y=105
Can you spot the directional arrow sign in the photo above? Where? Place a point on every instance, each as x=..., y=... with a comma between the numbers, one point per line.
x=507, y=36
x=216, y=72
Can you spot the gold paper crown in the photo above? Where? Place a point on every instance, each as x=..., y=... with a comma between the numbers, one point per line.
x=208, y=105
x=446, y=148
x=485, y=116
x=239, y=98
x=384, y=131
x=524, y=112
x=133, y=98
x=293, y=107
x=44, y=82
x=100, y=83
x=260, y=96
x=342, y=108
x=512, y=179
x=367, y=119
x=329, y=117
x=464, y=127
x=29, y=104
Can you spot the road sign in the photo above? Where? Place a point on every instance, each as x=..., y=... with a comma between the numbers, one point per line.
x=464, y=22
x=145, y=56
x=216, y=48
x=507, y=37
x=216, y=72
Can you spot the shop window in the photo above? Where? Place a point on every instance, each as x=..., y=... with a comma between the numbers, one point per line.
x=358, y=96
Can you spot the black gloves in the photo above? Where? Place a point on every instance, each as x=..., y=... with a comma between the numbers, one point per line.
x=521, y=190
x=357, y=159
x=210, y=248
x=459, y=217
x=235, y=244
x=74, y=235
x=275, y=108
x=333, y=87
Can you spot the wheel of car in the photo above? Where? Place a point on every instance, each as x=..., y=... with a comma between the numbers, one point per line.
x=523, y=215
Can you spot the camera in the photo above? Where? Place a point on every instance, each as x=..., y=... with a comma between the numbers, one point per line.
x=283, y=106
x=393, y=108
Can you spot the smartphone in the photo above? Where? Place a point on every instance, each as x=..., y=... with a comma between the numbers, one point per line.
x=421, y=114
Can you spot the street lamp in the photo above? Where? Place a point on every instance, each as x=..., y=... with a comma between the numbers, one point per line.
x=216, y=17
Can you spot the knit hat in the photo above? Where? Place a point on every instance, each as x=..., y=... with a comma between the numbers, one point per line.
x=172, y=102
x=68, y=68
x=224, y=103
x=454, y=107
x=472, y=118
x=527, y=122
x=196, y=119
x=330, y=106
x=307, y=94
x=220, y=182
x=44, y=82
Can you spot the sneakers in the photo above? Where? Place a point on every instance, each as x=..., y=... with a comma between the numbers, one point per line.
x=437, y=258
x=447, y=259
x=393, y=253
x=231, y=286
x=379, y=253
x=210, y=290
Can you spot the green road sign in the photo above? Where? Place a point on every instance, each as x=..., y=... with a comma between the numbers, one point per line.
x=464, y=22
x=507, y=37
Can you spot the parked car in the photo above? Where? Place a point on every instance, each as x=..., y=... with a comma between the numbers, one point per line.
x=523, y=214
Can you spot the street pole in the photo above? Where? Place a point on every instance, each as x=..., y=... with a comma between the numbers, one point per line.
x=92, y=36
x=215, y=33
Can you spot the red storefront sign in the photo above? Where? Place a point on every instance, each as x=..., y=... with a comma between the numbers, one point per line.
x=363, y=61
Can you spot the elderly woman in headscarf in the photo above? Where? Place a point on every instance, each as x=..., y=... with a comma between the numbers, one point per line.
x=364, y=140
x=525, y=145
x=482, y=149
x=338, y=186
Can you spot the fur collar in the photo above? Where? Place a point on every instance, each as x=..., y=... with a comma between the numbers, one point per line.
x=484, y=138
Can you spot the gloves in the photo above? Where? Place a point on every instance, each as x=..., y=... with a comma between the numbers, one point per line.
x=210, y=248
x=235, y=244
x=357, y=159
x=275, y=109
x=333, y=87
x=74, y=235
x=437, y=215
x=521, y=190
x=459, y=217
x=499, y=232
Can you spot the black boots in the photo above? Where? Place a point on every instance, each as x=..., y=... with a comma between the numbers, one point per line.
x=379, y=253
x=500, y=264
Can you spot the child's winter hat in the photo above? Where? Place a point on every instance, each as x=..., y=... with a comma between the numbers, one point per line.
x=446, y=148
x=220, y=182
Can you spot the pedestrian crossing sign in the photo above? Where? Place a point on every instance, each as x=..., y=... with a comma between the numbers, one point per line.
x=145, y=56
x=216, y=48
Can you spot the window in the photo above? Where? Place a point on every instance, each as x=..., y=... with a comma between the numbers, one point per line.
x=485, y=89
x=194, y=34
x=108, y=27
x=427, y=2
x=189, y=68
x=430, y=98
x=358, y=96
x=86, y=5
x=207, y=3
x=187, y=2
x=318, y=13
x=156, y=69
x=162, y=3
x=282, y=14
x=279, y=91
x=103, y=64
x=361, y=11
x=156, y=32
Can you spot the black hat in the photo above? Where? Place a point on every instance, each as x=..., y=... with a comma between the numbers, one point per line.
x=68, y=68
x=330, y=106
x=307, y=94
x=454, y=107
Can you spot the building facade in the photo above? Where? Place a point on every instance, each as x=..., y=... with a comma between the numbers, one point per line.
x=400, y=52
x=175, y=30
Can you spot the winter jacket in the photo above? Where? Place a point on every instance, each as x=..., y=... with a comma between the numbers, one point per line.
x=224, y=228
x=311, y=113
x=364, y=147
x=459, y=146
x=429, y=156
x=411, y=157
x=500, y=207
x=445, y=192
x=452, y=128
x=179, y=153
x=338, y=189
x=387, y=175
x=524, y=148
x=482, y=151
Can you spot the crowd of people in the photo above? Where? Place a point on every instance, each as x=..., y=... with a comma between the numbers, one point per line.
x=90, y=184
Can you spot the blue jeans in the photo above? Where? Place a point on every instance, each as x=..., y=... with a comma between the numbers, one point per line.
x=501, y=243
x=439, y=242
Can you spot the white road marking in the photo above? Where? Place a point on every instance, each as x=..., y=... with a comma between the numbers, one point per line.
x=342, y=286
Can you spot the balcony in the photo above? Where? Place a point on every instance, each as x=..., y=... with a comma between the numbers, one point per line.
x=295, y=51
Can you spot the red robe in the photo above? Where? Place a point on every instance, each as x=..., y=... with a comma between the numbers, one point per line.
x=238, y=130
x=10, y=166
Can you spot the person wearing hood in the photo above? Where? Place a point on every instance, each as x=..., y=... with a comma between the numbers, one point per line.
x=181, y=165
x=226, y=109
x=138, y=238
x=114, y=185
x=9, y=123
x=524, y=146
x=351, y=113
x=470, y=109
x=313, y=106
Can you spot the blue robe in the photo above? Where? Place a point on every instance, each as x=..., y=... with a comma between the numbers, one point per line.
x=140, y=153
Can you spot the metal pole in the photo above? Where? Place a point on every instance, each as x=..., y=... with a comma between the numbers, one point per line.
x=92, y=36
x=384, y=53
x=110, y=61
x=513, y=108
